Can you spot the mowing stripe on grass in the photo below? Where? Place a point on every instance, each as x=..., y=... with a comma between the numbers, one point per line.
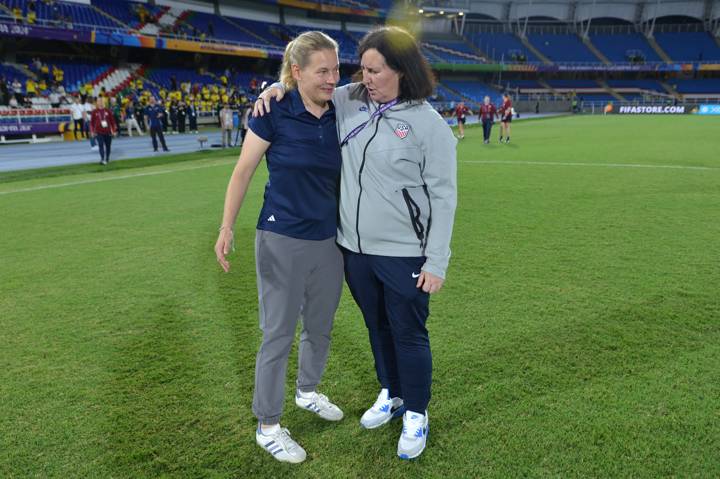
x=111, y=178
x=486, y=162
x=607, y=165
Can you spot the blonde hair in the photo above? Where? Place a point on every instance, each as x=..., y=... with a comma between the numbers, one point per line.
x=298, y=52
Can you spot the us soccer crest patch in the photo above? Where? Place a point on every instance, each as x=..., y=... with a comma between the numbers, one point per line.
x=402, y=130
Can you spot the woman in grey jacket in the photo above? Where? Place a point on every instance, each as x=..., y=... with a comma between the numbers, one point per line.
x=398, y=194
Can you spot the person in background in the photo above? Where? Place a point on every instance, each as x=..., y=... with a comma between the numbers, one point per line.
x=88, y=109
x=78, y=115
x=154, y=114
x=461, y=112
x=181, y=116
x=488, y=112
x=54, y=98
x=226, y=125
x=131, y=119
x=163, y=104
x=506, y=113
x=245, y=119
x=103, y=128
x=174, y=117
x=192, y=114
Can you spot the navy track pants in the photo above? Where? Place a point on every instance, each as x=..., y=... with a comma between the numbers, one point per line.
x=395, y=313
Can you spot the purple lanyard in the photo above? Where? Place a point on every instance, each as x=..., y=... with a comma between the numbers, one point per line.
x=361, y=126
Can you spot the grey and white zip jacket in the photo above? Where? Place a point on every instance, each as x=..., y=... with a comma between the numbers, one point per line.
x=398, y=189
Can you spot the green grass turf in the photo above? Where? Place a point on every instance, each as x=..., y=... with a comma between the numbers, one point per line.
x=578, y=334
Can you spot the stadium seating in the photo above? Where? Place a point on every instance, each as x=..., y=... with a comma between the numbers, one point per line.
x=82, y=17
x=621, y=47
x=691, y=47
x=562, y=47
x=699, y=86
x=473, y=90
x=502, y=46
x=126, y=11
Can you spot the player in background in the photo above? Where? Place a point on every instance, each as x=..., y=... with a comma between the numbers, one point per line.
x=460, y=112
x=488, y=112
x=506, y=111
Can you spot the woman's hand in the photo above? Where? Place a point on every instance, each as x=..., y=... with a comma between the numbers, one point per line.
x=223, y=247
x=429, y=282
x=262, y=104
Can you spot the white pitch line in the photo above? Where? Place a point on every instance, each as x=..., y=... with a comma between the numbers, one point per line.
x=606, y=165
x=111, y=178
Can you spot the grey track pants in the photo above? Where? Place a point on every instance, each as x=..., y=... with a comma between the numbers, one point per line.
x=294, y=277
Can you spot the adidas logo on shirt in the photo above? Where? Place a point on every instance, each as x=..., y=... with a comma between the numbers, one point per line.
x=272, y=218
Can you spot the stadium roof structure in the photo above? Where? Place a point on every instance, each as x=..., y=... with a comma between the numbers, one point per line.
x=634, y=11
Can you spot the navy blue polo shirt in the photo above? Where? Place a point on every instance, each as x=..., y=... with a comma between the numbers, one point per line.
x=301, y=195
x=155, y=114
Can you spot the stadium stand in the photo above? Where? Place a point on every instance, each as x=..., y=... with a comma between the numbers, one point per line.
x=502, y=47
x=625, y=47
x=689, y=46
x=562, y=47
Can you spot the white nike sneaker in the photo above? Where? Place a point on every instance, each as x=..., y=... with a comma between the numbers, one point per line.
x=414, y=435
x=281, y=446
x=320, y=405
x=384, y=409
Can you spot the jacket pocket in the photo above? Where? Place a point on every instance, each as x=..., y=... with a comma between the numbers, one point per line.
x=414, y=212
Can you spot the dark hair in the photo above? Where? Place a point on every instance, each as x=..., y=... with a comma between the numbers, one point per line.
x=403, y=55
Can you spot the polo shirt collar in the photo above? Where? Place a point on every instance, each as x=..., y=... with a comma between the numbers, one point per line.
x=297, y=107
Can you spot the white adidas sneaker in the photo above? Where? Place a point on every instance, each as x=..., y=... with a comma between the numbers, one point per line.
x=319, y=404
x=414, y=435
x=281, y=445
x=384, y=409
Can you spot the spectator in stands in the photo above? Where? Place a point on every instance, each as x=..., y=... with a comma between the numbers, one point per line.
x=30, y=88
x=226, y=125
x=299, y=264
x=103, y=128
x=192, y=114
x=17, y=91
x=54, y=98
x=77, y=111
x=131, y=120
x=181, y=116
x=413, y=157
x=488, y=112
x=461, y=112
x=154, y=115
x=17, y=14
x=32, y=12
x=246, y=110
x=505, y=112
x=172, y=110
x=4, y=92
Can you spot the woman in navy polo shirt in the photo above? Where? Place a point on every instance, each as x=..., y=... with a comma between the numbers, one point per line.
x=299, y=266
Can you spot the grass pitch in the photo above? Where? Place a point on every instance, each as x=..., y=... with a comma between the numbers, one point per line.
x=578, y=334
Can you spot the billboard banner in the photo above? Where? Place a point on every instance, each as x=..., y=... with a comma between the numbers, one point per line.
x=708, y=110
x=45, y=33
x=32, y=128
x=651, y=110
